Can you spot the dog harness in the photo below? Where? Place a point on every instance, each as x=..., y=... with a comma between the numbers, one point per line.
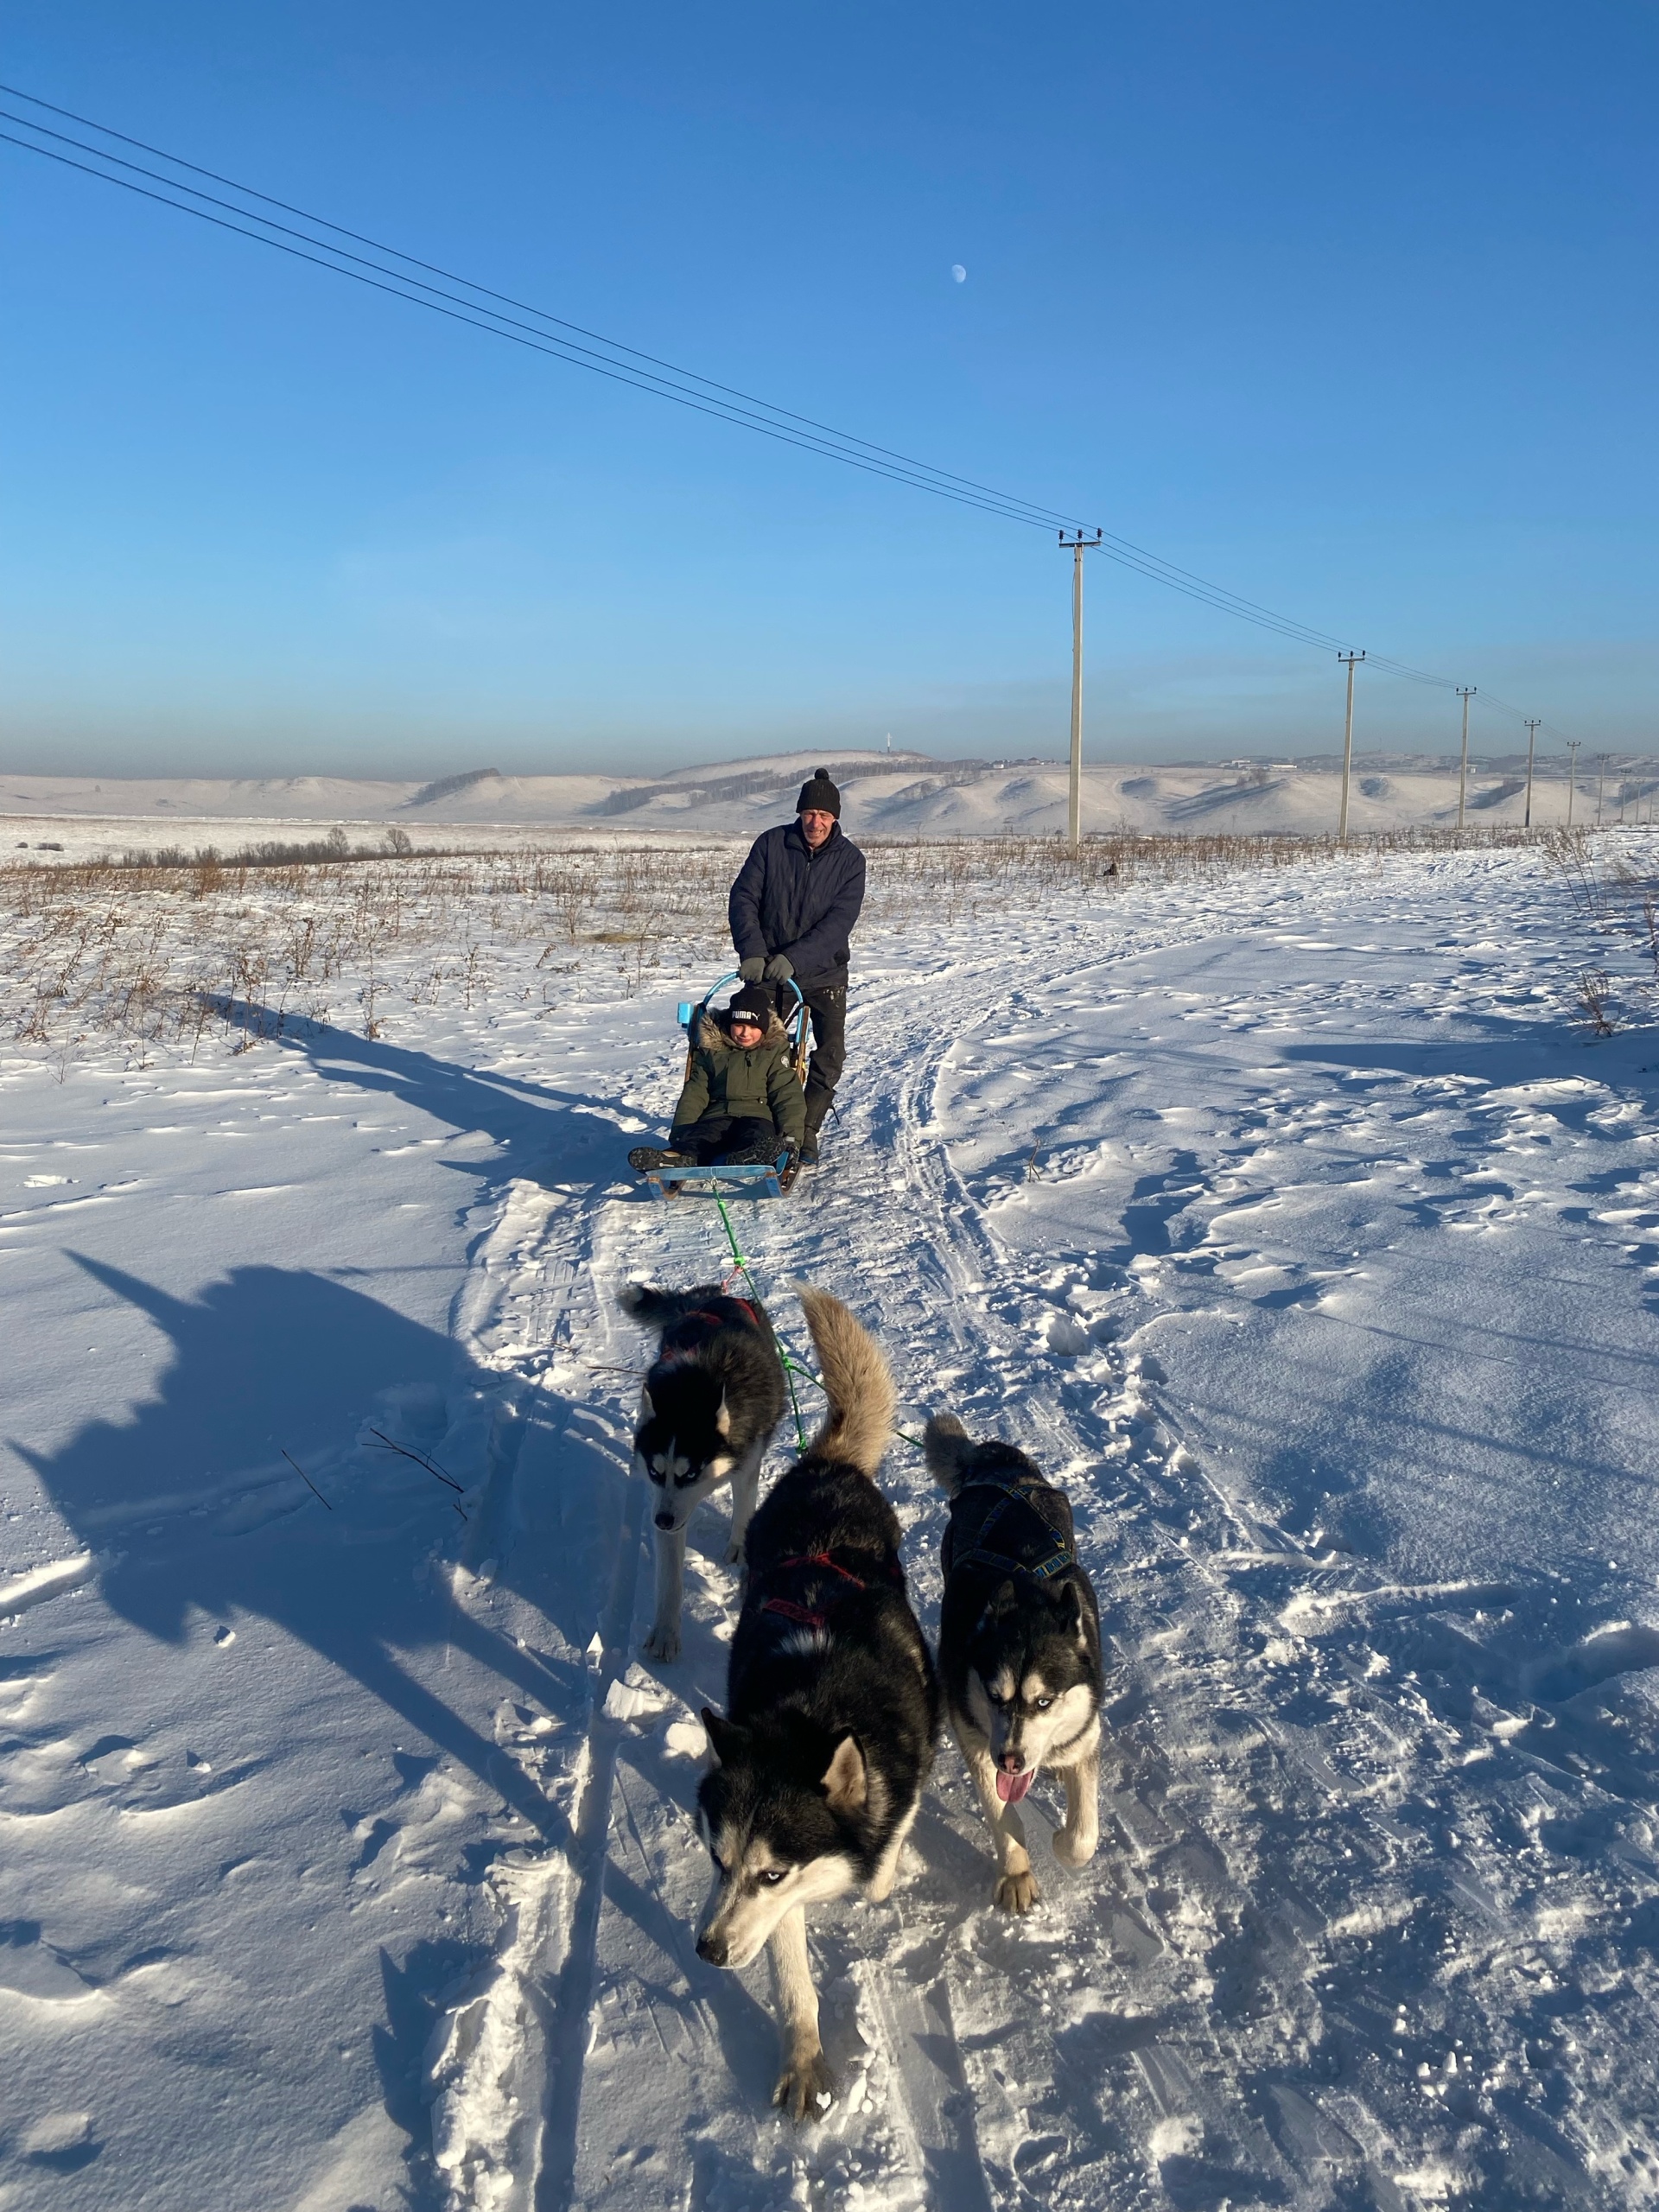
x=683, y=1338
x=790, y=1609
x=1011, y=1525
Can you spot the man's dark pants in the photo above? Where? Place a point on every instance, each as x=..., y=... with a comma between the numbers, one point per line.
x=827, y=1004
x=717, y=1136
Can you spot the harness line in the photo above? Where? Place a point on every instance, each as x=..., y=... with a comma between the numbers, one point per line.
x=741, y=1266
x=792, y=1366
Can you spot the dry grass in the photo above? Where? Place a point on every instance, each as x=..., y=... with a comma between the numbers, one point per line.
x=156, y=953
x=172, y=949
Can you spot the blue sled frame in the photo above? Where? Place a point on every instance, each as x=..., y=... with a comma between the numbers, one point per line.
x=758, y=1181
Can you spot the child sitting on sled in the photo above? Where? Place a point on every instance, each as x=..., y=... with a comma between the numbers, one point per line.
x=742, y=1099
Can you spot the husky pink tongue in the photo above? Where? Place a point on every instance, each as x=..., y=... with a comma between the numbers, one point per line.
x=1011, y=1788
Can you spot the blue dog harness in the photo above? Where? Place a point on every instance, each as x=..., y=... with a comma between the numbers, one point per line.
x=1012, y=1525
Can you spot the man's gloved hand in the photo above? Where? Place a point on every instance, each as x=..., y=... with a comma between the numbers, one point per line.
x=750, y=971
x=779, y=969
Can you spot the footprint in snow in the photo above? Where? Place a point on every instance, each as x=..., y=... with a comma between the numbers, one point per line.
x=30, y=1967
x=61, y=2141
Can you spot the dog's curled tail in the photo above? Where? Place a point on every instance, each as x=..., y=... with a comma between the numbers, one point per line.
x=946, y=1446
x=861, y=1390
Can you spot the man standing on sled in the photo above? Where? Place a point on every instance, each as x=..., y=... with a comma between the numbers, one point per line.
x=792, y=910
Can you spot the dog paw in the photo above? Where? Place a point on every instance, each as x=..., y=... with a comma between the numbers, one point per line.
x=806, y=2088
x=1016, y=1892
x=1074, y=1850
x=664, y=1644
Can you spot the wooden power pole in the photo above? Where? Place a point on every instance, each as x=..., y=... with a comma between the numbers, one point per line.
x=1465, y=694
x=1532, y=739
x=1080, y=545
x=1347, y=747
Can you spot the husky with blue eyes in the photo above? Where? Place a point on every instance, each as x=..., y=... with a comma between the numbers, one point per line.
x=827, y=1739
x=709, y=1405
x=1019, y=1647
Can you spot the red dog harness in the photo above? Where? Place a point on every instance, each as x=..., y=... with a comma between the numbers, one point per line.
x=805, y=1616
x=682, y=1337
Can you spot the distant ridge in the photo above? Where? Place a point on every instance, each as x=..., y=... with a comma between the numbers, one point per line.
x=448, y=787
x=751, y=783
x=884, y=798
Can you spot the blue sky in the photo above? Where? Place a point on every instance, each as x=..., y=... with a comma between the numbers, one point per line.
x=1349, y=308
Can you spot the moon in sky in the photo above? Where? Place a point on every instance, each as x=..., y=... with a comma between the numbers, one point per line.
x=958, y=272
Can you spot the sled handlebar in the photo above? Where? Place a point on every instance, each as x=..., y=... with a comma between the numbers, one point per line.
x=689, y=1011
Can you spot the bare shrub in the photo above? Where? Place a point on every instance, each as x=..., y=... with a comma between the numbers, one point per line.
x=1595, y=998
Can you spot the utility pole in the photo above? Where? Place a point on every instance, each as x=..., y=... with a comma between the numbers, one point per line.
x=1347, y=747
x=1080, y=545
x=1573, y=744
x=1532, y=739
x=1463, y=772
x=1601, y=785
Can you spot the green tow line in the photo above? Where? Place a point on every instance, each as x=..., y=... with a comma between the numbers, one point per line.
x=791, y=1368
x=789, y=1365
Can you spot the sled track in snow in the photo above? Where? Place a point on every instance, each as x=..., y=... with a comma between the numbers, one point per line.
x=507, y=2061
x=921, y=1262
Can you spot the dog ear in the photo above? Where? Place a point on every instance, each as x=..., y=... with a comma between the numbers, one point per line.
x=846, y=1784
x=1006, y=1599
x=645, y=1407
x=722, y=1417
x=726, y=1737
x=1068, y=1603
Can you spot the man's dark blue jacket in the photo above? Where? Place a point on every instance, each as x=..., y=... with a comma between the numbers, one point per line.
x=788, y=899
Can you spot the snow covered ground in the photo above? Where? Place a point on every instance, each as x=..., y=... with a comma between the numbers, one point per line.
x=1294, y=1222
x=904, y=795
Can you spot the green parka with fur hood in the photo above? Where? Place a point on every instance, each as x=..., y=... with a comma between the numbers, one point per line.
x=724, y=1078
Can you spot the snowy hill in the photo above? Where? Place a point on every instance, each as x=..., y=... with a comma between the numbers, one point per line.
x=896, y=794
x=1299, y=1228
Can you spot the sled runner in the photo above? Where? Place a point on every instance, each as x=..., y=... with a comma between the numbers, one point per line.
x=733, y=1179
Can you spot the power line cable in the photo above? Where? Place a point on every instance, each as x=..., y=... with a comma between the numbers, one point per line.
x=659, y=377
x=548, y=345
x=1050, y=518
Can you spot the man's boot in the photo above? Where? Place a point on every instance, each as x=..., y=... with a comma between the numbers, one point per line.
x=816, y=1108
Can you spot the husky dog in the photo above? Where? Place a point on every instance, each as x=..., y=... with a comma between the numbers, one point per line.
x=831, y=1705
x=1019, y=1647
x=708, y=1407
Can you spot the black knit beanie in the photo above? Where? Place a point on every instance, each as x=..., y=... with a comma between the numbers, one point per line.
x=753, y=999
x=819, y=796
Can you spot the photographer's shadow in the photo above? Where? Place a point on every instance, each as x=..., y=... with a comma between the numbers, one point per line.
x=197, y=1516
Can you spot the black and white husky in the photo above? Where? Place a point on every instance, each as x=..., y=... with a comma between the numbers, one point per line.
x=708, y=1408
x=831, y=1705
x=1019, y=1647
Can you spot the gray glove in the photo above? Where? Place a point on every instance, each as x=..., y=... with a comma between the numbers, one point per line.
x=750, y=971
x=780, y=968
